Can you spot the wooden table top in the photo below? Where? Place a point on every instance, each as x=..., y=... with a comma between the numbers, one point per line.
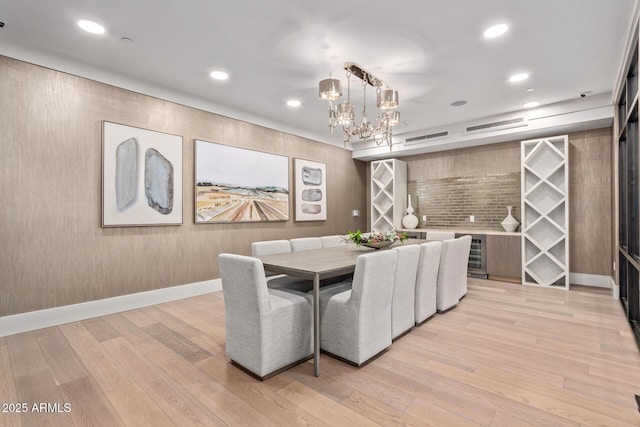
x=328, y=262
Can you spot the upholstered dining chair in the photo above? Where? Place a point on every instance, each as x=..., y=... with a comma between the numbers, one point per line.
x=404, y=290
x=440, y=235
x=355, y=318
x=267, y=330
x=465, y=261
x=452, y=272
x=305, y=243
x=279, y=281
x=333, y=241
x=269, y=247
x=426, y=281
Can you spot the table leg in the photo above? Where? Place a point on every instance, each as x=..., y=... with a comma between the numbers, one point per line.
x=316, y=325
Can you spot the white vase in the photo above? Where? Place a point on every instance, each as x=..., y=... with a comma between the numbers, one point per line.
x=409, y=220
x=510, y=223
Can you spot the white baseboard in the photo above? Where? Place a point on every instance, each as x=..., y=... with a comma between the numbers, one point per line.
x=615, y=289
x=30, y=321
x=595, y=280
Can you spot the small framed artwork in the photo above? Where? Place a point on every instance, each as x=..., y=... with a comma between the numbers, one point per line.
x=141, y=177
x=236, y=184
x=310, y=190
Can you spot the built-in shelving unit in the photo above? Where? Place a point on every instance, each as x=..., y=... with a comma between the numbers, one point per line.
x=626, y=130
x=388, y=194
x=545, y=212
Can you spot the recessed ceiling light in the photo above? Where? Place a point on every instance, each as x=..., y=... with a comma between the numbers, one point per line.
x=90, y=26
x=531, y=104
x=518, y=77
x=219, y=75
x=496, y=31
x=458, y=103
x=530, y=89
x=293, y=103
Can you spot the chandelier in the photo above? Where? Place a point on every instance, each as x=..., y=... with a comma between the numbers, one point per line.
x=342, y=114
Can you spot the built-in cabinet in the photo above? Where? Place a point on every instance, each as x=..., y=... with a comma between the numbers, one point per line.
x=545, y=212
x=504, y=257
x=629, y=192
x=388, y=194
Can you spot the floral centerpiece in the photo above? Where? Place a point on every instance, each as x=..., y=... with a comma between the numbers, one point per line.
x=376, y=239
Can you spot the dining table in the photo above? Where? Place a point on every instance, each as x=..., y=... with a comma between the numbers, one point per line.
x=317, y=265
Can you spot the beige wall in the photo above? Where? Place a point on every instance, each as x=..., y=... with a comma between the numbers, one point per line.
x=53, y=251
x=590, y=163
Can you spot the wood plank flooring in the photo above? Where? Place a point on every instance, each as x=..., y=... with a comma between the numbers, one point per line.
x=507, y=355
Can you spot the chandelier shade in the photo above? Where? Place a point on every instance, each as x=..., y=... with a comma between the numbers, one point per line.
x=388, y=99
x=330, y=89
x=343, y=114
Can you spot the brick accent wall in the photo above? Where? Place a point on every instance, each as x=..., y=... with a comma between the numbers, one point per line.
x=449, y=202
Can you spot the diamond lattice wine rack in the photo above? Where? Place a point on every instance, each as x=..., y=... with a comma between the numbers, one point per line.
x=388, y=192
x=545, y=213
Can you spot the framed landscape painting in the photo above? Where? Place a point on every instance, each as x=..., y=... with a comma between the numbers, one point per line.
x=310, y=190
x=141, y=177
x=239, y=185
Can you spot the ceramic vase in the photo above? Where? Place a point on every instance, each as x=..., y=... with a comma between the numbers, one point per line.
x=409, y=220
x=510, y=223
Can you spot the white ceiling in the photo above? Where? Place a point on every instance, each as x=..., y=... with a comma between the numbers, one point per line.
x=431, y=51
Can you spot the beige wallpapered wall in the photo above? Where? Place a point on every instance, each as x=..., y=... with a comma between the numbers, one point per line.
x=53, y=250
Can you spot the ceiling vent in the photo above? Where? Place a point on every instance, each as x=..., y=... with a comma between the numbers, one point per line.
x=422, y=138
x=502, y=124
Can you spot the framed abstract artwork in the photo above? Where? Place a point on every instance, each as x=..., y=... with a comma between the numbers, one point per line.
x=234, y=184
x=310, y=190
x=141, y=177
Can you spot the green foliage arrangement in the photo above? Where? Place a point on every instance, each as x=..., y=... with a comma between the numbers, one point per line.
x=376, y=239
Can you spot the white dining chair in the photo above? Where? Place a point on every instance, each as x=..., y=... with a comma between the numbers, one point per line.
x=270, y=247
x=355, y=318
x=464, y=281
x=279, y=281
x=452, y=272
x=305, y=243
x=267, y=330
x=426, y=281
x=440, y=235
x=404, y=290
x=333, y=241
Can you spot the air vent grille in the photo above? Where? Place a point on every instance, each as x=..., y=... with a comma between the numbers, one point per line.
x=425, y=137
x=520, y=121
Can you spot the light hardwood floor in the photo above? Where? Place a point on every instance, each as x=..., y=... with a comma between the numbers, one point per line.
x=507, y=355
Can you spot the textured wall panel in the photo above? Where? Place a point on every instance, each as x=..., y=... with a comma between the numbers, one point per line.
x=53, y=251
x=488, y=173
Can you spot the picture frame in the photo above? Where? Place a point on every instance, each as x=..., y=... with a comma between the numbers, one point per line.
x=234, y=184
x=141, y=177
x=310, y=178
